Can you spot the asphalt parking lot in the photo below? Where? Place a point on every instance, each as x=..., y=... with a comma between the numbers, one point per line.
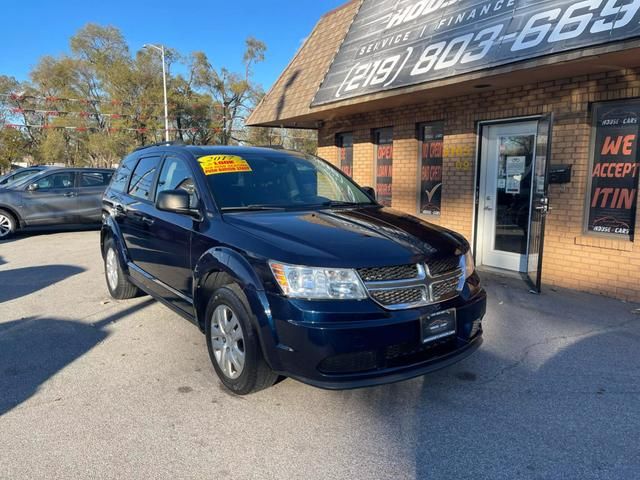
x=95, y=388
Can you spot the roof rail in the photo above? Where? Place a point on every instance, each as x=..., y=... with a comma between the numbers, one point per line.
x=160, y=144
x=274, y=147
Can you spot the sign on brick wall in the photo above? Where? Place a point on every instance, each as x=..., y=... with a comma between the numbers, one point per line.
x=393, y=44
x=345, y=148
x=432, y=136
x=383, y=141
x=615, y=168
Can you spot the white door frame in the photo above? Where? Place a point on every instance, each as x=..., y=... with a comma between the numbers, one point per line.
x=519, y=123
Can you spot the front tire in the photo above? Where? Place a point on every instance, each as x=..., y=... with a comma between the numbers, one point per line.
x=233, y=343
x=8, y=225
x=118, y=283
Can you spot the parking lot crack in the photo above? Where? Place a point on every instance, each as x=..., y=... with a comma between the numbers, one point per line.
x=527, y=350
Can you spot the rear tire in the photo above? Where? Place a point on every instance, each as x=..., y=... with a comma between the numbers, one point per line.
x=233, y=344
x=8, y=225
x=118, y=283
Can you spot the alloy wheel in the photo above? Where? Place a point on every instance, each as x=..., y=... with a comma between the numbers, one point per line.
x=227, y=341
x=112, y=269
x=5, y=225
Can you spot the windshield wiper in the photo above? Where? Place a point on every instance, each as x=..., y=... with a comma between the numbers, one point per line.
x=250, y=208
x=336, y=203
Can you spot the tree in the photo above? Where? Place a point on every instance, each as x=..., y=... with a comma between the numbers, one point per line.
x=94, y=104
x=234, y=94
x=13, y=147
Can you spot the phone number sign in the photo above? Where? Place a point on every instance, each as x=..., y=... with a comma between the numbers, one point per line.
x=393, y=44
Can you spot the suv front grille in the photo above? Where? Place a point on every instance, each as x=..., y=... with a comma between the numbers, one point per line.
x=440, y=266
x=383, y=274
x=445, y=289
x=400, y=296
x=409, y=286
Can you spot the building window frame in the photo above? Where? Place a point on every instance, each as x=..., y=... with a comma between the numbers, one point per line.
x=420, y=129
x=344, y=162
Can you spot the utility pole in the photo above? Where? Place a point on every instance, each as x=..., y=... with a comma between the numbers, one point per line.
x=160, y=48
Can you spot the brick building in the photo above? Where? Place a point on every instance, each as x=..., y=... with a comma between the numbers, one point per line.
x=486, y=145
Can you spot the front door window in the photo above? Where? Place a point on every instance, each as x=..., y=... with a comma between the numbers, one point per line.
x=505, y=200
x=513, y=192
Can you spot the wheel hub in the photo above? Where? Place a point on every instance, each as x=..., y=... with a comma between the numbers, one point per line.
x=112, y=269
x=227, y=341
x=5, y=225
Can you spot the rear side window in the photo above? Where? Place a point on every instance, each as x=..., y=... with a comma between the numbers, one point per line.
x=142, y=178
x=121, y=177
x=94, y=179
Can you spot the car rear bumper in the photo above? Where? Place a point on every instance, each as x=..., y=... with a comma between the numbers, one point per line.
x=364, y=345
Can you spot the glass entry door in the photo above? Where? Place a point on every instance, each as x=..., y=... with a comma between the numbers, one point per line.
x=539, y=201
x=504, y=207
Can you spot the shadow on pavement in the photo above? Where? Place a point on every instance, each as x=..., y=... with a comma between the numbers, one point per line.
x=20, y=282
x=50, y=230
x=34, y=349
x=553, y=393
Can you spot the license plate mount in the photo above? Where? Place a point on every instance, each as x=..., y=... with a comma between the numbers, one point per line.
x=438, y=325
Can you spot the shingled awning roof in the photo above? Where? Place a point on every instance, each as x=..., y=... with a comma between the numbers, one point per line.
x=291, y=95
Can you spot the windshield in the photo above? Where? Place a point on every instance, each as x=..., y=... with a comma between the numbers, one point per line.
x=278, y=180
x=17, y=177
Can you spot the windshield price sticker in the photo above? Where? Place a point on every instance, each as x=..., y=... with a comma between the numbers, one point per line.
x=215, y=164
x=393, y=44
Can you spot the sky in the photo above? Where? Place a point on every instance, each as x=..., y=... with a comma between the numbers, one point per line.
x=43, y=27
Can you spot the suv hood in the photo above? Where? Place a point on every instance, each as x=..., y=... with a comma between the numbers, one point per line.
x=371, y=236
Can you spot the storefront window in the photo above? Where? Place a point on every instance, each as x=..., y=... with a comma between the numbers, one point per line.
x=345, y=149
x=383, y=140
x=431, y=138
x=615, y=167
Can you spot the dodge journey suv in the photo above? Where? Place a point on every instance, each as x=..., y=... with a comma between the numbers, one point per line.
x=288, y=267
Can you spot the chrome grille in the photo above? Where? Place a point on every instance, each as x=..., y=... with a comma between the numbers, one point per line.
x=383, y=274
x=445, y=289
x=400, y=296
x=440, y=266
x=409, y=286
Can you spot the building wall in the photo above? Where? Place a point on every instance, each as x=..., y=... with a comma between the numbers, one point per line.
x=571, y=259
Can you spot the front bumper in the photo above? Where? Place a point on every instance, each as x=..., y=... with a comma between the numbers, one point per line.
x=362, y=344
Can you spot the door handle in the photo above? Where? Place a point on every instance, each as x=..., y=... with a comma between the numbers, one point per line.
x=148, y=220
x=71, y=194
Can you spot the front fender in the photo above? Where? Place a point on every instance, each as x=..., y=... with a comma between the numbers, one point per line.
x=110, y=228
x=221, y=260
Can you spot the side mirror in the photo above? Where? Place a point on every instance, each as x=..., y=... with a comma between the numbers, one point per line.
x=370, y=191
x=32, y=188
x=177, y=201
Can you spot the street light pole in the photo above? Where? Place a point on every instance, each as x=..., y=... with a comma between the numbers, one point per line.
x=160, y=48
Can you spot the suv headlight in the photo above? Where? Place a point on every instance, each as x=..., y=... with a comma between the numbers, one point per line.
x=318, y=283
x=467, y=266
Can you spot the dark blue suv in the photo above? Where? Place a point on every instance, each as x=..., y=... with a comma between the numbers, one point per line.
x=289, y=267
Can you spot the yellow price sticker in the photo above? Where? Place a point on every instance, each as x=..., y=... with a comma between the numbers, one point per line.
x=215, y=164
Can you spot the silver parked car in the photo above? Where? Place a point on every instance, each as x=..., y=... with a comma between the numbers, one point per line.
x=54, y=196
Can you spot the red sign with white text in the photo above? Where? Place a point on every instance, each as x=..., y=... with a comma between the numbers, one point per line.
x=616, y=167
